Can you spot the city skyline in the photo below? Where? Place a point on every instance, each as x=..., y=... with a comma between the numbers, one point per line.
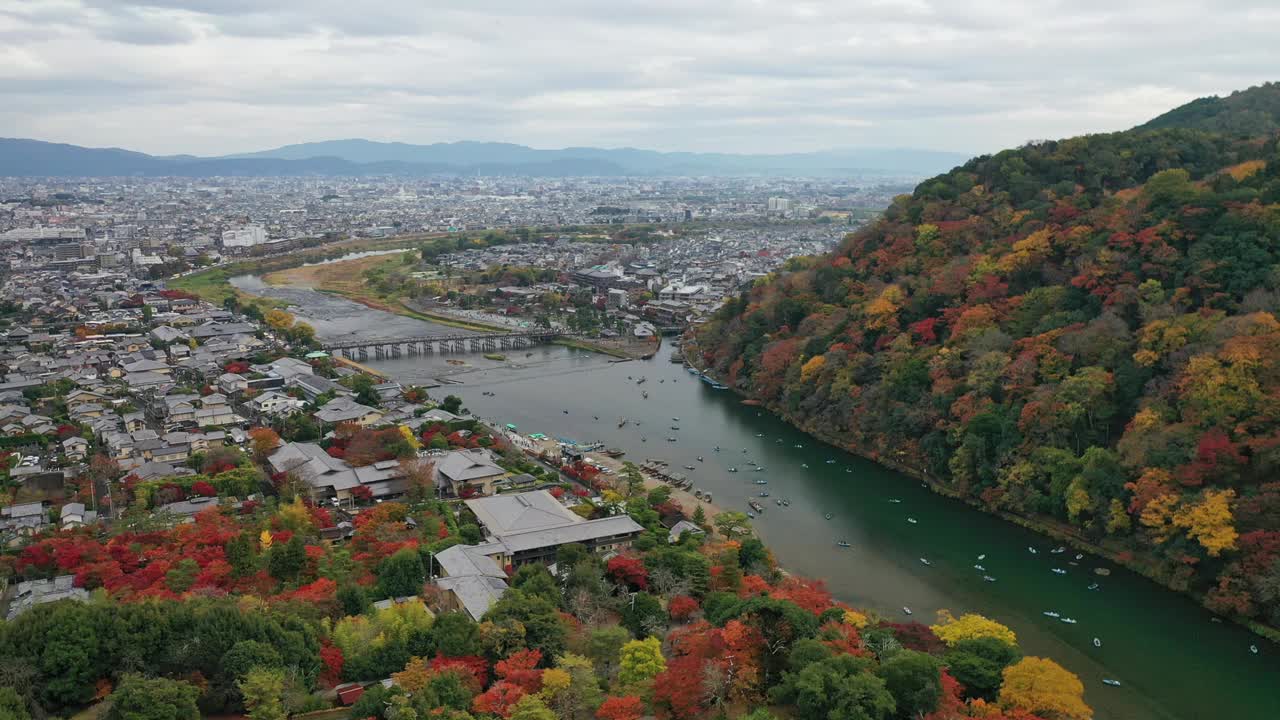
x=182, y=76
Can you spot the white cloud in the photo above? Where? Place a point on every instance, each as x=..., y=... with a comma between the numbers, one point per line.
x=221, y=76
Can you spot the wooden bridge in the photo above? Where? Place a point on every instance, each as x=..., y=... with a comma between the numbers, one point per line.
x=359, y=349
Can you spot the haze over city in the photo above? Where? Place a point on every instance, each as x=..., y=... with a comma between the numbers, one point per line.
x=212, y=78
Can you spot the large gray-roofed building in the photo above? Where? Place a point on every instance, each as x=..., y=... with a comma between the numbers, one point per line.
x=521, y=512
x=528, y=527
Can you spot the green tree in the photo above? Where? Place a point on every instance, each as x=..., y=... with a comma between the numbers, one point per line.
x=287, y=560
x=451, y=404
x=182, y=576
x=241, y=555
x=979, y=665
x=732, y=524
x=644, y=615
x=263, y=691
x=401, y=574
x=530, y=707
x=247, y=655
x=604, y=648
x=913, y=679
x=142, y=698
x=842, y=688
x=640, y=661
x=353, y=598
x=13, y=705
x=455, y=635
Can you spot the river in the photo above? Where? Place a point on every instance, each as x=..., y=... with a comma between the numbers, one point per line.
x=1173, y=661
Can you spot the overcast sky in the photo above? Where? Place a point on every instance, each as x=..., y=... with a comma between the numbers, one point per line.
x=224, y=76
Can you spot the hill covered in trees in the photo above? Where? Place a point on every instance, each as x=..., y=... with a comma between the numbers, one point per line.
x=1082, y=333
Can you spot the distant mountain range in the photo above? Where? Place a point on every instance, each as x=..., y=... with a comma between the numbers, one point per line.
x=19, y=157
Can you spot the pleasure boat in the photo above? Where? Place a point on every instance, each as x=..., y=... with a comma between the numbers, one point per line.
x=1097, y=642
x=699, y=458
x=925, y=561
x=906, y=609
x=1059, y=571
x=913, y=521
x=1052, y=614
x=764, y=493
x=1094, y=586
x=983, y=556
x=1109, y=681
x=1031, y=550
x=759, y=434
x=831, y=462
x=804, y=465
x=842, y=543
x=1253, y=649
x=988, y=578
x=827, y=516
x=895, y=500
x=762, y=481
x=1069, y=621
x=689, y=467
x=979, y=567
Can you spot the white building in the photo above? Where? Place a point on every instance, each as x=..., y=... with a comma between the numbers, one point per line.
x=246, y=236
x=779, y=205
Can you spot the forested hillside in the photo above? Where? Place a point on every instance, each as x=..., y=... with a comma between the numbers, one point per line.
x=1081, y=332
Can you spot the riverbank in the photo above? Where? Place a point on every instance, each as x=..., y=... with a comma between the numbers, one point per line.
x=686, y=499
x=1059, y=532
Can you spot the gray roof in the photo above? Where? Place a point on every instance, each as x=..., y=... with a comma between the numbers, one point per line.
x=578, y=532
x=476, y=593
x=468, y=465
x=340, y=409
x=520, y=512
x=461, y=560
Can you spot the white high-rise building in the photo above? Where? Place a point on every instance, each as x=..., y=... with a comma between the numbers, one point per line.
x=779, y=205
x=246, y=236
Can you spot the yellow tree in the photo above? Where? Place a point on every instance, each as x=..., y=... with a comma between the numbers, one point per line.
x=278, y=319
x=265, y=539
x=414, y=677
x=952, y=630
x=1043, y=687
x=640, y=660
x=1209, y=521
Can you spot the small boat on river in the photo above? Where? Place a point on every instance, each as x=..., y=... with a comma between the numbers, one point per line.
x=988, y=578
x=1094, y=586
x=1097, y=643
x=699, y=458
x=913, y=521
x=762, y=481
x=983, y=556
x=689, y=467
x=733, y=469
x=1031, y=550
x=1059, y=571
x=827, y=516
x=979, y=567
x=906, y=609
x=1109, y=681
x=1253, y=649
x=895, y=500
x=1052, y=614
x=842, y=543
x=925, y=561
x=1069, y=621
x=755, y=506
